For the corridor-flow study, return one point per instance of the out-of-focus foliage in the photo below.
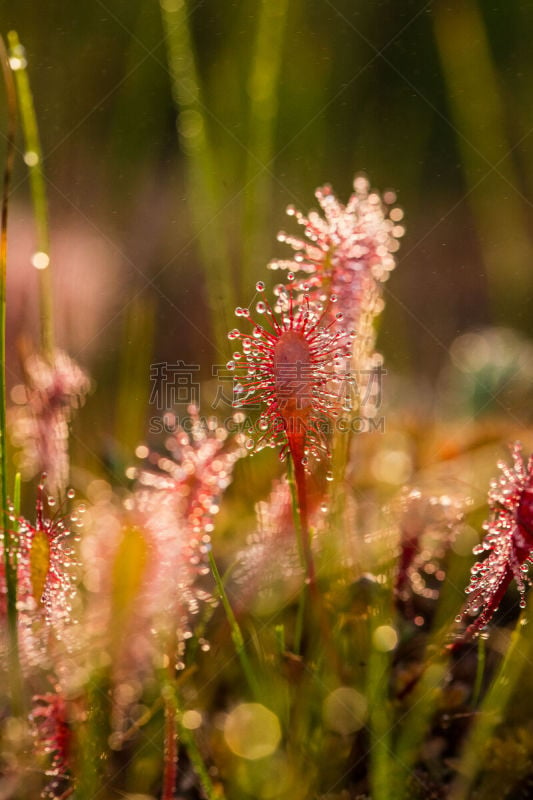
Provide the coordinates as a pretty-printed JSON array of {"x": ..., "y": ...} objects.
[
  {"x": 389, "y": 88},
  {"x": 174, "y": 133}
]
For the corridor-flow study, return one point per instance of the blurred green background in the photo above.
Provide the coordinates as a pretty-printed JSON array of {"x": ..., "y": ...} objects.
[{"x": 175, "y": 135}]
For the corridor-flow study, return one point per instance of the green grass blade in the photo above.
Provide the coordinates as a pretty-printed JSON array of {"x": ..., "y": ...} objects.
[
  {"x": 263, "y": 93},
  {"x": 33, "y": 158},
  {"x": 15, "y": 678},
  {"x": 492, "y": 711},
  {"x": 203, "y": 172}
]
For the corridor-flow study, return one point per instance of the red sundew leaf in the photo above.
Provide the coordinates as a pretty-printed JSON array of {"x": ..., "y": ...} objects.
[
  {"x": 508, "y": 543},
  {"x": 53, "y": 735},
  {"x": 294, "y": 367},
  {"x": 46, "y": 580},
  {"x": 46, "y": 561}
]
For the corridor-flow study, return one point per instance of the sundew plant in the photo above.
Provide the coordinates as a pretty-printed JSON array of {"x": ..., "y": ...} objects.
[{"x": 266, "y": 480}]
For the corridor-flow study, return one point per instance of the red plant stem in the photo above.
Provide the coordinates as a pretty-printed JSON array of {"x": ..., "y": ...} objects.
[
  {"x": 296, "y": 448},
  {"x": 170, "y": 767},
  {"x": 320, "y": 628},
  {"x": 410, "y": 548}
]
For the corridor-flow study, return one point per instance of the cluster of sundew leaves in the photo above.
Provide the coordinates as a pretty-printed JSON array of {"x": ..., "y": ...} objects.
[
  {"x": 270, "y": 567},
  {"x": 428, "y": 525},
  {"x": 347, "y": 253},
  {"x": 508, "y": 542},
  {"x": 270, "y": 560},
  {"x": 39, "y": 422},
  {"x": 320, "y": 379},
  {"x": 174, "y": 505}
]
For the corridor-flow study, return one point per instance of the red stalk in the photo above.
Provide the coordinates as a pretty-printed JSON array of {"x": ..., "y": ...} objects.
[
  {"x": 293, "y": 370},
  {"x": 296, "y": 449},
  {"x": 170, "y": 768}
]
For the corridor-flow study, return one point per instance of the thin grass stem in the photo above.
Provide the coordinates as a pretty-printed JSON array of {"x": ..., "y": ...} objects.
[
  {"x": 468, "y": 70},
  {"x": 380, "y": 714},
  {"x": 262, "y": 90},
  {"x": 15, "y": 679},
  {"x": 416, "y": 722},
  {"x": 211, "y": 791},
  {"x": 493, "y": 707},
  {"x": 34, "y": 159},
  {"x": 236, "y": 633},
  {"x": 16, "y": 498},
  {"x": 93, "y": 734},
  {"x": 203, "y": 170}
]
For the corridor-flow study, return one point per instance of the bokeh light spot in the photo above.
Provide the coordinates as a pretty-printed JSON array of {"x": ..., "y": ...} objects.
[
  {"x": 345, "y": 710},
  {"x": 252, "y": 731},
  {"x": 385, "y": 638}
]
